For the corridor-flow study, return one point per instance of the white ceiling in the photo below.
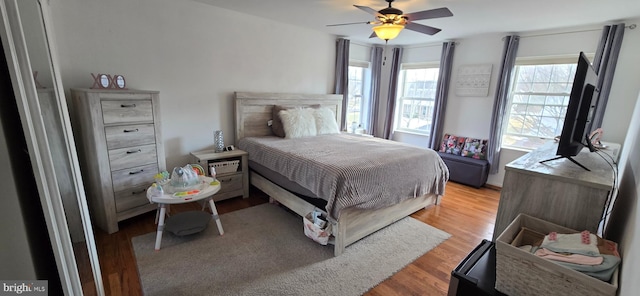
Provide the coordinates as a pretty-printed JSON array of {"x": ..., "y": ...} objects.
[{"x": 470, "y": 17}]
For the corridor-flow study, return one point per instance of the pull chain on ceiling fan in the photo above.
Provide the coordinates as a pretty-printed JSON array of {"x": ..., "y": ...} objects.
[{"x": 390, "y": 21}]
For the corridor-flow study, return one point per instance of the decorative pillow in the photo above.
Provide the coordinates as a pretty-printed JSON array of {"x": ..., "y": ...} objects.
[
  {"x": 452, "y": 144},
  {"x": 276, "y": 123},
  {"x": 326, "y": 121},
  {"x": 298, "y": 123},
  {"x": 475, "y": 148}
]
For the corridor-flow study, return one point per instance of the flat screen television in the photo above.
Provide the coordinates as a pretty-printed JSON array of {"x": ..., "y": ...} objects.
[{"x": 582, "y": 105}]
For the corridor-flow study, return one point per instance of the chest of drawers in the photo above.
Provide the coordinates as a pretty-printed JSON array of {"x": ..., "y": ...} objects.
[
  {"x": 558, "y": 191},
  {"x": 120, "y": 148}
]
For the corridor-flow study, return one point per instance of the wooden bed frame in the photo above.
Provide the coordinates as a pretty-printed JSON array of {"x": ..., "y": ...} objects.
[{"x": 252, "y": 113}]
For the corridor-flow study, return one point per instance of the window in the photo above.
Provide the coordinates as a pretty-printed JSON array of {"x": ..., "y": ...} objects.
[
  {"x": 358, "y": 100},
  {"x": 416, "y": 96},
  {"x": 538, "y": 102}
]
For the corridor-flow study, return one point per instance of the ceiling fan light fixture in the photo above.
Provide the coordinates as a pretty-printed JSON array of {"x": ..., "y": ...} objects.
[{"x": 387, "y": 32}]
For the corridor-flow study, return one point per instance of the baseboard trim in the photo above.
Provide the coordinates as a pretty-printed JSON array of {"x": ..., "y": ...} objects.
[{"x": 494, "y": 187}]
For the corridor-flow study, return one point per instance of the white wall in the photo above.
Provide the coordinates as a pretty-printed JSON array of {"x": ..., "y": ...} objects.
[
  {"x": 623, "y": 225},
  {"x": 195, "y": 54}
]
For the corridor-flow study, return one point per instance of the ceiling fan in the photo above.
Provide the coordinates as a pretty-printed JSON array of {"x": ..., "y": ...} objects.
[{"x": 390, "y": 21}]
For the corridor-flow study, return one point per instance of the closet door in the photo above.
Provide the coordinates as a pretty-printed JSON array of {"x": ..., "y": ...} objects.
[{"x": 28, "y": 42}]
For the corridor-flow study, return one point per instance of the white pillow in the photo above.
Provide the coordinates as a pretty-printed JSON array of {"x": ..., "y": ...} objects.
[
  {"x": 298, "y": 123},
  {"x": 326, "y": 121}
]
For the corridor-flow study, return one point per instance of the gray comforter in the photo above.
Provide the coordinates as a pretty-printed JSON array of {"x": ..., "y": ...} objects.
[{"x": 352, "y": 171}]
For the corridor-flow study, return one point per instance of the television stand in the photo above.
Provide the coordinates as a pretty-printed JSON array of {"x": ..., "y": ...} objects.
[
  {"x": 569, "y": 158},
  {"x": 562, "y": 193}
]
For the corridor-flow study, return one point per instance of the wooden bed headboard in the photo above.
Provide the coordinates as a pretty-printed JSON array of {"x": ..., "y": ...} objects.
[{"x": 253, "y": 110}]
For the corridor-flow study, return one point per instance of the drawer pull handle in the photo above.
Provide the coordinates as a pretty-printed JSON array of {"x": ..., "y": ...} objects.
[
  {"x": 223, "y": 180},
  {"x": 133, "y": 173},
  {"x": 133, "y": 151},
  {"x": 131, "y": 130},
  {"x": 137, "y": 192},
  {"x": 128, "y": 106}
]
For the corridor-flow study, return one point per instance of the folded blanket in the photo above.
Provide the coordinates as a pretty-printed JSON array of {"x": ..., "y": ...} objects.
[
  {"x": 603, "y": 271},
  {"x": 583, "y": 243},
  {"x": 569, "y": 258}
]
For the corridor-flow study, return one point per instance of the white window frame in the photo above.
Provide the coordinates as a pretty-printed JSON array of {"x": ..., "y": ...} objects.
[
  {"x": 533, "y": 142},
  {"x": 364, "y": 106},
  {"x": 400, "y": 98}
]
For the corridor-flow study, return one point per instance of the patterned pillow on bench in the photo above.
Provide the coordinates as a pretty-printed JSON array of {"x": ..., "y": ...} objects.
[
  {"x": 475, "y": 148},
  {"x": 463, "y": 146},
  {"x": 452, "y": 144}
]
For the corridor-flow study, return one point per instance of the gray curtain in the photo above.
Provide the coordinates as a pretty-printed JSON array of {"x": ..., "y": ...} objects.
[
  {"x": 605, "y": 65},
  {"x": 342, "y": 76},
  {"x": 500, "y": 103},
  {"x": 376, "y": 74},
  {"x": 442, "y": 93},
  {"x": 396, "y": 58}
]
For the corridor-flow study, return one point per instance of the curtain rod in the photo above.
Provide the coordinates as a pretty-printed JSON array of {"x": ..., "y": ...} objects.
[
  {"x": 405, "y": 46},
  {"x": 430, "y": 45},
  {"x": 360, "y": 44},
  {"x": 370, "y": 44},
  {"x": 630, "y": 27}
]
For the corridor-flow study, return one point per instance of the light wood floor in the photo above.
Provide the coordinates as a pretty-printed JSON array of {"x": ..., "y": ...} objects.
[{"x": 468, "y": 214}]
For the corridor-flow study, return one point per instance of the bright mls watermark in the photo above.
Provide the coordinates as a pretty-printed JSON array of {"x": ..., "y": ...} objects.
[{"x": 20, "y": 287}]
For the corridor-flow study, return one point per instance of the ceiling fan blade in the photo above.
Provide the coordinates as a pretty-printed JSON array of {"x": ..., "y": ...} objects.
[
  {"x": 429, "y": 14},
  {"x": 422, "y": 28},
  {"x": 368, "y": 10},
  {"x": 355, "y": 23},
  {"x": 373, "y": 35}
]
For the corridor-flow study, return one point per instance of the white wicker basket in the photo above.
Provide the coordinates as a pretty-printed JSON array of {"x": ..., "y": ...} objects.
[
  {"x": 519, "y": 272},
  {"x": 225, "y": 167}
]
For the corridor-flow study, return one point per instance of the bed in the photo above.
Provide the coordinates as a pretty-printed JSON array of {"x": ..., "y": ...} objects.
[{"x": 354, "y": 212}]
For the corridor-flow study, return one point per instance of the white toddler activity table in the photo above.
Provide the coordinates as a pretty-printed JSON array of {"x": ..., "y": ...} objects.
[{"x": 206, "y": 191}]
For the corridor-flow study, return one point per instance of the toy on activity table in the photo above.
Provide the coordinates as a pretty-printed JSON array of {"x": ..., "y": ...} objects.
[
  {"x": 182, "y": 182},
  {"x": 184, "y": 177},
  {"x": 213, "y": 175},
  {"x": 161, "y": 179},
  {"x": 156, "y": 190}
]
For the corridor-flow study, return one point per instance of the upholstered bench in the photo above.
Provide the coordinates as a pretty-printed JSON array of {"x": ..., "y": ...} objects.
[
  {"x": 466, "y": 170},
  {"x": 466, "y": 159}
]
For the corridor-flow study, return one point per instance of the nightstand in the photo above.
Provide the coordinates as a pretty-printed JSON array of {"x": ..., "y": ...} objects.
[{"x": 234, "y": 183}]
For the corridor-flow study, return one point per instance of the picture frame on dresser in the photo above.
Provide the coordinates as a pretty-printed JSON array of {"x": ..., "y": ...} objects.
[{"x": 120, "y": 147}]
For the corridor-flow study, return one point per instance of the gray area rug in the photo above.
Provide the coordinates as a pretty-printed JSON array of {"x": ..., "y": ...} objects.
[{"x": 265, "y": 252}]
